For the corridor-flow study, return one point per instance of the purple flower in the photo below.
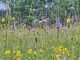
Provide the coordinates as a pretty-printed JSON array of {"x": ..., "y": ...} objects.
[
  {"x": 3, "y": 6},
  {"x": 58, "y": 23}
]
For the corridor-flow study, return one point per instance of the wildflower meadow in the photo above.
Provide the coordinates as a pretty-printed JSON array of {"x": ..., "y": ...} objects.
[
  {"x": 39, "y": 29},
  {"x": 21, "y": 44}
]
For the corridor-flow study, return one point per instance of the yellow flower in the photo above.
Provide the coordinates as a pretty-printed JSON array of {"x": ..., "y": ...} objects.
[
  {"x": 35, "y": 53},
  {"x": 68, "y": 20},
  {"x": 18, "y": 59},
  {"x": 29, "y": 51},
  {"x": 3, "y": 20},
  {"x": 7, "y": 52},
  {"x": 61, "y": 47},
  {"x": 65, "y": 49},
  {"x": 57, "y": 56},
  {"x": 17, "y": 53}
]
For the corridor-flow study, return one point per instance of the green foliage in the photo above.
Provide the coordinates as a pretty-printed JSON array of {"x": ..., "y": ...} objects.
[
  {"x": 30, "y": 18},
  {"x": 36, "y": 8}
]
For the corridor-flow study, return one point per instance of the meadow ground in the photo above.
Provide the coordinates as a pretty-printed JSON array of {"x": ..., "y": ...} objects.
[{"x": 37, "y": 45}]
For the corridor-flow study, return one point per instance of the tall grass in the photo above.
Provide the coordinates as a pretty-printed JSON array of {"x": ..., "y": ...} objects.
[{"x": 47, "y": 47}]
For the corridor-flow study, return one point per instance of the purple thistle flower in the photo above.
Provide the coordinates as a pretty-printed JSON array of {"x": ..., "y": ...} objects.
[{"x": 58, "y": 23}]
